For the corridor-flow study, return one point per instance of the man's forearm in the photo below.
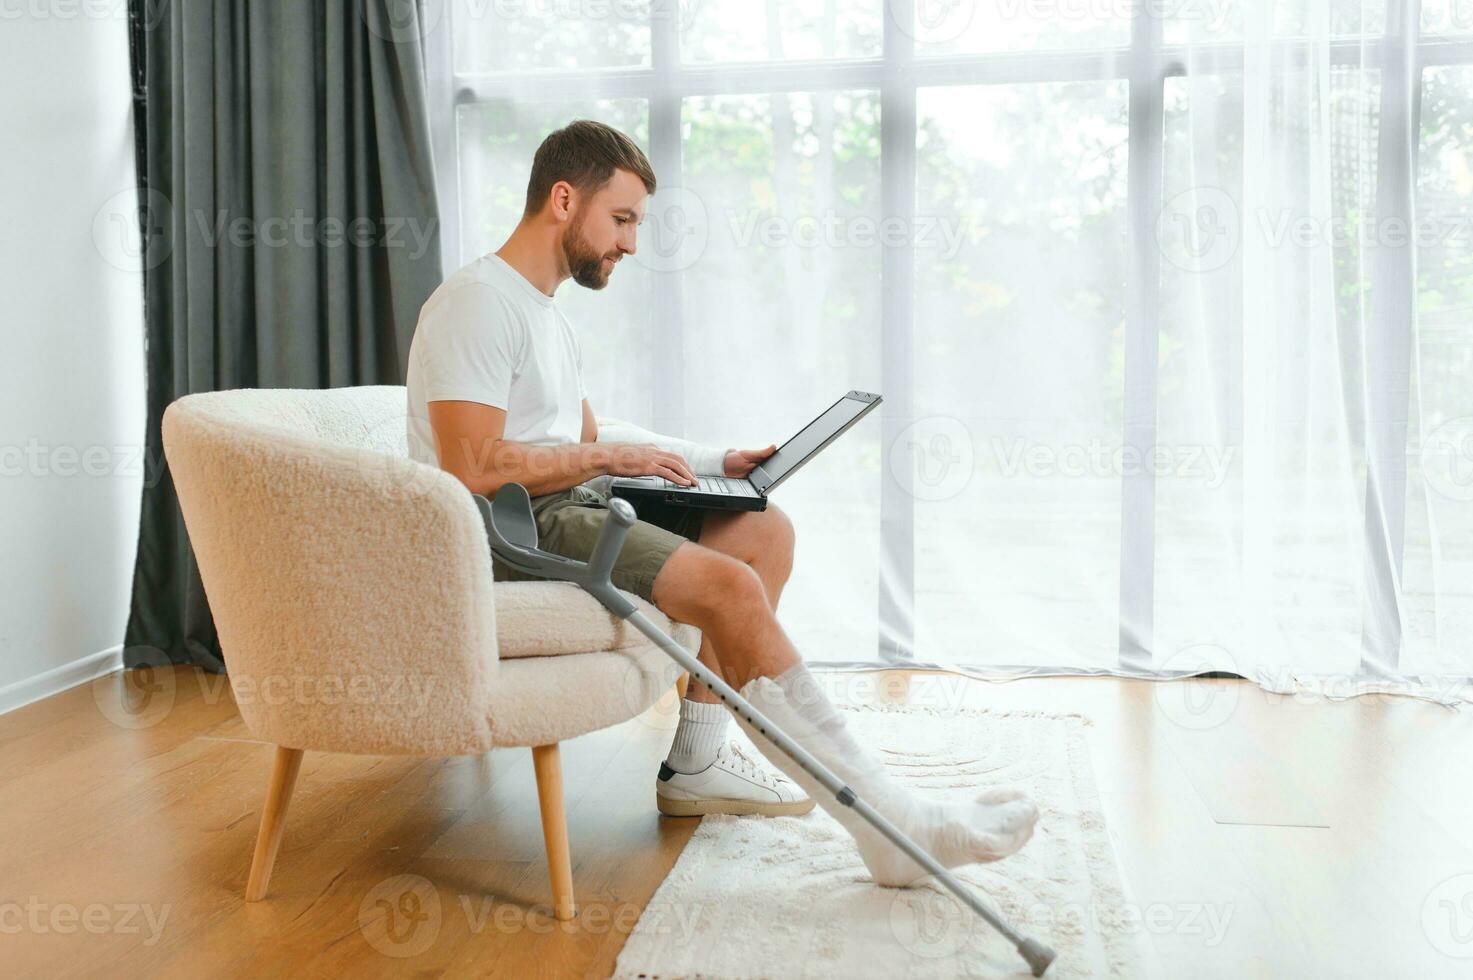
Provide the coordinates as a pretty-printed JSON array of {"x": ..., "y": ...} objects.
[{"x": 541, "y": 469}]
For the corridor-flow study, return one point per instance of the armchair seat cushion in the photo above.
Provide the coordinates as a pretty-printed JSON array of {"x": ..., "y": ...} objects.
[
  {"x": 542, "y": 700},
  {"x": 548, "y": 619}
]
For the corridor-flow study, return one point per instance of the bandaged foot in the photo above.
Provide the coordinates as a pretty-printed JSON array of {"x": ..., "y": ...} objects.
[{"x": 994, "y": 824}]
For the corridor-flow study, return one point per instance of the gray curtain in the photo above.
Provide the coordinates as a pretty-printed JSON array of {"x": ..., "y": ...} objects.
[{"x": 290, "y": 232}]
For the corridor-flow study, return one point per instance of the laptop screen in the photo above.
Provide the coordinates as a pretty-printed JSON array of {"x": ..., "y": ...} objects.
[{"x": 814, "y": 436}]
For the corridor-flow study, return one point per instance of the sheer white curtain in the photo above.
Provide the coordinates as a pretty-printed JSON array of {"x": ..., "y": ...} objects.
[
  {"x": 1315, "y": 328},
  {"x": 1171, "y": 303}
]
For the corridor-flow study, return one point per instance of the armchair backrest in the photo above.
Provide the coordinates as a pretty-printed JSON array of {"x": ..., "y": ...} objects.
[{"x": 351, "y": 586}]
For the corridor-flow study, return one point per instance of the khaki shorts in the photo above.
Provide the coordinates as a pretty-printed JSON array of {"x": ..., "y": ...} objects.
[{"x": 569, "y": 522}]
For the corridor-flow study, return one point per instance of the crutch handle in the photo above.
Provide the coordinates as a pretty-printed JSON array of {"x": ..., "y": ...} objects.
[
  {"x": 610, "y": 540},
  {"x": 511, "y": 530}
]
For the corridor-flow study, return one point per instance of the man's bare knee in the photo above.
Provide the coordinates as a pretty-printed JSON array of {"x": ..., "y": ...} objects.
[
  {"x": 730, "y": 588},
  {"x": 727, "y": 600},
  {"x": 698, "y": 585}
]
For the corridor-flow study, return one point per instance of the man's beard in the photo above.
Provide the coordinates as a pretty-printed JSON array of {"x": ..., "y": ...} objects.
[{"x": 584, "y": 263}]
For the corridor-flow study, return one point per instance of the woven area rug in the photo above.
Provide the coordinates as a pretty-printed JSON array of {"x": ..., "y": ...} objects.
[{"x": 788, "y": 896}]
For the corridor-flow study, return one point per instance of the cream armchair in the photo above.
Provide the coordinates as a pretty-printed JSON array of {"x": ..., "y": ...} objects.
[{"x": 353, "y": 595}]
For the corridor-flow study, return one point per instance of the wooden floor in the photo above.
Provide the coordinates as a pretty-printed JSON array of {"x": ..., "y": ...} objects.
[{"x": 1257, "y": 835}]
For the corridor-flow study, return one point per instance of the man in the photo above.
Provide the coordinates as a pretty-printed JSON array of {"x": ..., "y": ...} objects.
[{"x": 495, "y": 396}]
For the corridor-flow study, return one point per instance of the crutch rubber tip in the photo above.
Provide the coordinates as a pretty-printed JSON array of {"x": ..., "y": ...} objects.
[{"x": 1037, "y": 954}]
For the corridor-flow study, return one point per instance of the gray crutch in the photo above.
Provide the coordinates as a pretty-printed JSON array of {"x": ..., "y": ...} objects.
[{"x": 512, "y": 533}]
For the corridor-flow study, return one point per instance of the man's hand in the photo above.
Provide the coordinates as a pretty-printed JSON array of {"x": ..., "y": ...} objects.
[
  {"x": 740, "y": 462},
  {"x": 640, "y": 459}
]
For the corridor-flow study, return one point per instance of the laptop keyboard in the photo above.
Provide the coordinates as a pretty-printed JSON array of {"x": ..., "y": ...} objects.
[{"x": 717, "y": 484}]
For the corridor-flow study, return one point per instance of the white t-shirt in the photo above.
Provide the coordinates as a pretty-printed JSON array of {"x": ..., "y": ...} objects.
[{"x": 488, "y": 335}]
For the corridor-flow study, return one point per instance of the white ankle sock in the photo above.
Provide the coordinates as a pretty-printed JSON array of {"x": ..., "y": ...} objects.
[
  {"x": 700, "y": 733},
  {"x": 994, "y": 824}
]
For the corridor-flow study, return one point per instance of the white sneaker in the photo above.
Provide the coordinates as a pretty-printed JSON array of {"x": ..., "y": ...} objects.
[{"x": 735, "y": 783}]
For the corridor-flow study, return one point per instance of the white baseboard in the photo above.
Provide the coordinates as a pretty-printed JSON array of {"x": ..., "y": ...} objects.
[{"x": 58, "y": 679}]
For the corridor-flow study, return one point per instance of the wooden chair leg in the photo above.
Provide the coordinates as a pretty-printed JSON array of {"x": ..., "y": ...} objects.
[
  {"x": 273, "y": 820},
  {"x": 682, "y": 684},
  {"x": 547, "y": 763}
]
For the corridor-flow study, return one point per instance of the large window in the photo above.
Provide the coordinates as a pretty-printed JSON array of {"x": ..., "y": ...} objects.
[{"x": 1038, "y": 229}]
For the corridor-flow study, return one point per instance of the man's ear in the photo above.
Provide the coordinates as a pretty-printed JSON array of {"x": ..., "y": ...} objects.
[{"x": 562, "y": 199}]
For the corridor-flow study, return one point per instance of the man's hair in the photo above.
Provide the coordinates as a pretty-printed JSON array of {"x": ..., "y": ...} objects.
[{"x": 585, "y": 154}]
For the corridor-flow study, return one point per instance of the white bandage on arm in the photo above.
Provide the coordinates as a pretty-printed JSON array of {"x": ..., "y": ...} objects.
[{"x": 703, "y": 460}]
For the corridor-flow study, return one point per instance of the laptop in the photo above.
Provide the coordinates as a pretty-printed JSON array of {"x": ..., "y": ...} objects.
[{"x": 750, "y": 492}]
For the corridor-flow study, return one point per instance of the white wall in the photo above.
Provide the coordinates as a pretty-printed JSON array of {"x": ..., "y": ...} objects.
[{"x": 71, "y": 343}]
